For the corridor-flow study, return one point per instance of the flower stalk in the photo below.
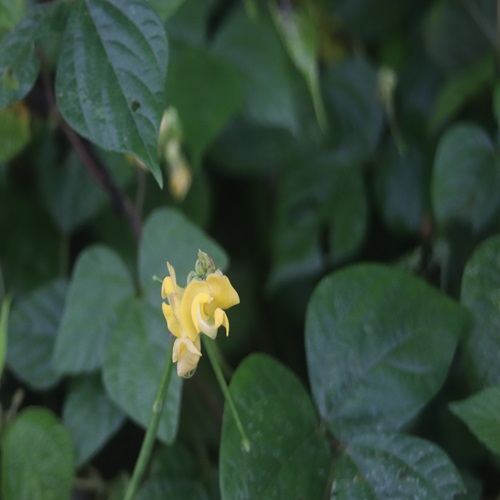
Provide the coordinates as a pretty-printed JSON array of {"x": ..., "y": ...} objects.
[
  {"x": 149, "y": 438},
  {"x": 214, "y": 360}
]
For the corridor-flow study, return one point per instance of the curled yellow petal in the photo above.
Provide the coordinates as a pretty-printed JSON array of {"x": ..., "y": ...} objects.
[
  {"x": 220, "y": 319},
  {"x": 186, "y": 354},
  {"x": 222, "y": 291},
  {"x": 167, "y": 287},
  {"x": 172, "y": 321},
  {"x": 195, "y": 291}
]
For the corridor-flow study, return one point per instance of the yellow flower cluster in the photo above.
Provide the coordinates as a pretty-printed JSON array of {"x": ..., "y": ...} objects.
[{"x": 198, "y": 308}]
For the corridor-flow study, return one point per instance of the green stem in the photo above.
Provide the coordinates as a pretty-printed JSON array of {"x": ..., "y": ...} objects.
[
  {"x": 214, "y": 360},
  {"x": 149, "y": 438}
]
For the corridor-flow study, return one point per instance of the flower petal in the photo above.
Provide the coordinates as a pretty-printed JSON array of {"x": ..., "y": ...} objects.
[
  {"x": 222, "y": 291},
  {"x": 196, "y": 291},
  {"x": 220, "y": 318},
  {"x": 172, "y": 321},
  {"x": 186, "y": 354}
]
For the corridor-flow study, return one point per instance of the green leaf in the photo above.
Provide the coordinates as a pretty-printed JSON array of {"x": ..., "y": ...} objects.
[
  {"x": 372, "y": 18},
  {"x": 119, "y": 109},
  {"x": 466, "y": 178},
  {"x": 401, "y": 184},
  {"x": 159, "y": 489},
  {"x": 14, "y": 131},
  {"x": 165, "y": 9},
  {"x": 19, "y": 65},
  {"x": 480, "y": 293},
  {"x": 70, "y": 193},
  {"x": 168, "y": 236},
  {"x": 460, "y": 89},
  {"x": 268, "y": 82},
  {"x": 32, "y": 334},
  {"x": 288, "y": 457},
  {"x": 11, "y": 13},
  {"x": 4, "y": 321},
  {"x": 37, "y": 458},
  {"x": 381, "y": 466},
  {"x": 204, "y": 108},
  {"x": 321, "y": 219},
  {"x": 481, "y": 414},
  {"x": 473, "y": 19},
  {"x": 90, "y": 417},
  {"x": 134, "y": 365},
  {"x": 379, "y": 343},
  {"x": 355, "y": 116},
  {"x": 99, "y": 286}
]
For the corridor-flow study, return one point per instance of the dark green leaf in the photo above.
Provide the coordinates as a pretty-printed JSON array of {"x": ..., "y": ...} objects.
[
  {"x": 37, "y": 458},
  {"x": 288, "y": 457},
  {"x": 165, "y": 9},
  {"x": 480, "y": 294},
  {"x": 481, "y": 413},
  {"x": 466, "y": 178},
  {"x": 90, "y": 417},
  {"x": 19, "y": 65},
  {"x": 69, "y": 192},
  {"x": 11, "y": 12},
  {"x": 401, "y": 183},
  {"x": 354, "y": 112},
  {"x": 181, "y": 489},
  {"x": 461, "y": 88},
  {"x": 321, "y": 219},
  {"x": 204, "y": 109},
  {"x": 169, "y": 236},
  {"x": 473, "y": 19},
  {"x": 32, "y": 334},
  {"x": 100, "y": 284},
  {"x": 379, "y": 343},
  {"x": 134, "y": 364},
  {"x": 380, "y": 466},
  {"x": 119, "y": 108},
  {"x": 267, "y": 80}
]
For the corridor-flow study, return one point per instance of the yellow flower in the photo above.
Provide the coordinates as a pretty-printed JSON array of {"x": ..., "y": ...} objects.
[{"x": 198, "y": 308}]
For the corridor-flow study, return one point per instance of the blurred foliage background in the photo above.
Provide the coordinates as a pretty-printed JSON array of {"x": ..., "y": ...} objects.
[{"x": 299, "y": 139}]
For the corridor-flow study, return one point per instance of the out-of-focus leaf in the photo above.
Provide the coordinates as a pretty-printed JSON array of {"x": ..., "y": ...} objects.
[
  {"x": 481, "y": 413},
  {"x": 14, "y": 130},
  {"x": 89, "y": 415},
  {"x": 159, "y": 489},
  {"x": 371, "y": 18},
  {"x": 4, "y": 321},
  {"x": 267, "y": 80},
  {"x": 166, "y": 9},
  {"x": 379, "y": 466},
  {"x": 400, "y": 182},
  {"x": 33, "y": 327},
  {"x": 480, "y": 293},
  {"x": 466, "y": 178},
  {"x": 37, "y": 458},
  {"x": 460, "y": 88},
  {"x": 169, "y": 236},
  {"x": 296, "y": 25},
  {"x": 11, "y": 12},
  {"x": 355, "y": 115},
  {"x": 175, "y": 461},
  {"x": 206, "y": 91},
  {"x": 288, "y": 457},
  {"x": 120, "y": 108},
  {"x": 321, "y": 219},
  {"x": 473, "y": 19},
  {"x": 22, "y": 217},
  {"x": 99, "y": 286},
  {"x": 19, "y": 65},
  {"x": 379, "y": 343},
  {"x": 70, "y": 193},
  {"x": 189, "y": 24},
  {"x": 134, "y": 364}
]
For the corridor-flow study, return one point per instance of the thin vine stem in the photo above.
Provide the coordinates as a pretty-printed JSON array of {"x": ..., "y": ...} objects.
[{"x": 149, "y": 438}]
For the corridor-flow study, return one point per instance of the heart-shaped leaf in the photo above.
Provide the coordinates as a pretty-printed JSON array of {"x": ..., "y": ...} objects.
[
  {"x": 99, "y": 285},
  {"x": 288, "y": 457},
  {"x": 379, "y": 343},
  {"x": 110, "y": 82}
]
